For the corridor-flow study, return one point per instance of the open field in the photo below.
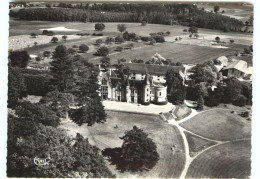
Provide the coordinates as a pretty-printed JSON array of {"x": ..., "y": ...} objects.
[
  {"x": 229, "y": 160},
  {"x": 197, "y": 144},
  {"x": 185, "y": 50},
  {"x": 176, "y": 52},
  {"x": 219, "y": 124},
  {"x": 165, "y": 136}
]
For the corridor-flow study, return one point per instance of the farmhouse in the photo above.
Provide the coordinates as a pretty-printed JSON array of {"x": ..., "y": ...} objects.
[
  {"x": 237, "y": 69},
  {"x": 144, "y": 84}
]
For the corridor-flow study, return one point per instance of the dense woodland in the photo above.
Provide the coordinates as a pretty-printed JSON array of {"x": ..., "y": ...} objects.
[{"x": 182, "y": 14}]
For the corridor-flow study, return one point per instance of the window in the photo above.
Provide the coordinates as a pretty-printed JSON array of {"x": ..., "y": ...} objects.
[
  {"x": 147, "y": 95},
  {"x": 150, "y": 92},
  {"x": 147, "y": 89},
  {"x": 160, "y": 93}
]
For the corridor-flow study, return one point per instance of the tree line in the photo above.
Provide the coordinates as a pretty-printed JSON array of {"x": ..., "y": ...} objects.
[{"x": 169, "y": 14}]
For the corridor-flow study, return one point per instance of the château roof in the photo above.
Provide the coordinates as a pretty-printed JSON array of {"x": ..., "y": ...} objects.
[
  {"x": 239, "y": 65},
  {"x": 151, "y": 68}
]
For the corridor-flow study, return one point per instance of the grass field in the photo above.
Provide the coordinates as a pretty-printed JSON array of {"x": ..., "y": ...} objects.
[
  {"x": 165, "y": 136},
  {"x": 230, "y": 160},
  {"x": 197, "y": 144},
  {"x": 176, "y": 52},
  {"x": 219, "y": 124}
]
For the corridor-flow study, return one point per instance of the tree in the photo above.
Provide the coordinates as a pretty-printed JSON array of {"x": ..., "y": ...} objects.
[
  {"x": 109, "y": 40},
  {"x": 232, "y": 41},
  {"x": 16, "y": 86},
  {"x": 92, "y": 112},
  {"x": 247, "y": 51},
  {"x": 121, "y": 27},
  {"x": 33, "y": 35},
  {"x": 45, "y": 32},
  {"x": 119, "y": 39},
  {"x": 216, "y": 9},
  {"x": 99, "y": 41},
  {"x": 193, "y": 30},
  {"x": 203, "y": 73},
  {"x": 233, "y": 89},
  {"x": 35, "y": 43},
  {"x": 62, "y": 69},
  {"x": 217, "y": 39},
  {"x": 137, "y": 153},
  {"x": 83, "y": 48},
  {"x": 200, "y": 103},
  {"x": 19, "y": 59},
  {"x": 58, "y": 102},
  {"x": 105, "y": 61},
  {"x": 168, "y": 32},
  {"x": 46, "y": 53},
  {"x": 175, "y": 87},
  {"x": 102, "y": 51},
  {"x": 159, "y": 38},
  {"x": 99, "y": 26},
  {"x": 240, "y": 101},
  {"x": 251, "y": 48},
  {"x": 54, "y": 39},
  {"x": 38, "y": 113},
  {"x": 64, "y": 37}
]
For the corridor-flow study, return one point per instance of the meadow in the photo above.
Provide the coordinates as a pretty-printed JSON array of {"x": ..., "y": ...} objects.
[{"x": 219, "y": 124}]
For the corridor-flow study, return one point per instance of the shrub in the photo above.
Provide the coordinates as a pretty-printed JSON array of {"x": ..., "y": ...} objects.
[
  {"x": 102, "y": 51},
  {"x": 33, "y": 35},
  {"x": 185, "y": 30},
  {"x": 244, "y": 114},
  {"x": 83, "y": 48},
  {"x": 97, "y": 34},
  {"x": 75, "y": 46},
  {"x": 119, "y": 39},
  {"x": 45, "y": 32},
  {"x": 240, "y": 101},
  {"x": 119, "y": 49},
  {"x": 38, "y": 58},
  {"x": 64, "y": 37},
  {"x": 217, "y": 39},
  {"x": 159, "y": 39},
  {"x": 247, "y": 51},
  {"x": 145, "y": 39},
  {"x": 109, "y": 40},
  {"x": 54, "y": 39},
  {"x": 217, "y": 62},
  {"x": 71, "y": 51},
  {"x": 50, "y": 33},
  {"x": 168, "y": 32},
  {"x": 99, "y": 26},
  {"x": 46, "y": 53},
  {"x": 143, "y": 23},
  {"x": 99, "y": 41},
  {"x": 121, "y": 27}
]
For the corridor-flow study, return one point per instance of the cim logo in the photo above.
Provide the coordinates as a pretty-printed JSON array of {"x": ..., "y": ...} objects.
[{"x": 42, "y": 161}]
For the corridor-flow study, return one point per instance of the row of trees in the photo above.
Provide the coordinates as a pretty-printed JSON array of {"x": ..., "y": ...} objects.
[{"x": 183, "y": 14}]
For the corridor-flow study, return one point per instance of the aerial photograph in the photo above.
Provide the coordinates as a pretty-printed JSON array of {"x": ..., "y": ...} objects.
[{"x": 129, "y": 89}]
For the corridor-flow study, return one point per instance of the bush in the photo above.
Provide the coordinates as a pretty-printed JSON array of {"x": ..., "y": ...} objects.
[
  {"x": 185, "y": 30},
  {"x": 83, "y": 48},
  {"x": 109, "y": 40},
  {"x": 143, "y": 23},
  {"x": 99, "y": 41},
  {"x": 217, "y": 62},
  {"x": 54, "y": 39},
  {"x": 102, "y": 51},
  {"x": 119, "y": 39},
  {"x": 97, "y": 34},
  {"x": 231, "y": 41},
  {"x": 244, "y": 114},
  {"x": 75, "y": 46},
  {"x": 71, "y": 51},
  {"x": 145, "y": 39},
  {"x": 217, "y": 39},
  {"x": 159, "y": 39},
  {"x": 33, "y": 35},
  {"x": 46, "y": 53},
  {"x": 240, "y": 101},
  {"x": 45, "y": 32},
  {"x": 99, "y": 26},
  {"x": 50, "y": 33},
  {"x": 119, "y": 49}
]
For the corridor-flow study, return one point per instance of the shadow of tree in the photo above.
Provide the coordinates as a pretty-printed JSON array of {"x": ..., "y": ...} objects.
[{"x": 131, "y": 164}]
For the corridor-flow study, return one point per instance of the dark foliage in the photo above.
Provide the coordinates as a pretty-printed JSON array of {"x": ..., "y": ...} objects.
[
  {"x": 93, "y": 112},
  {"x": 19, "y": 59},
  {"x": 170, "y": 13},
  {"x": 121, "y": 27},
  {"x": 38, "y": 113},
  {"x": 240, "y": 101},
  {"x": 83, "y": 48},
  {"x": 137, "y": 153},
  {"x": 99, "y": 26},
  {"x": 175, "y": 87},
  {"x": 16, "y": 86},
  {"x": 62, "y": 69},
  {"x": 102, "y": 51},
  {"x": 159, "y": 38},
  {"x": 28, "y": 140}
]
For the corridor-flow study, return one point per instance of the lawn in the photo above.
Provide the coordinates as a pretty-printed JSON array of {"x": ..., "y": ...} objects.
[
  {"x": 219, "y": 124},
  {"x": 197, "y": 144},
  {"x": 165, "y": 136},
  {"x": 177, "y": 52},
  {"x": 230, "y": 160}
]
